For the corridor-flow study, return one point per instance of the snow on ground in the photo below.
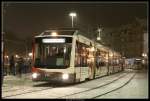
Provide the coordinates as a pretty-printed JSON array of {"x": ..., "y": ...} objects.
[{"x": 137, "y": 88}]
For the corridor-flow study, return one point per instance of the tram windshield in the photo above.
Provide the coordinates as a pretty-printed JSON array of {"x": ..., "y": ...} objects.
[{"x": 52, "y": 55}]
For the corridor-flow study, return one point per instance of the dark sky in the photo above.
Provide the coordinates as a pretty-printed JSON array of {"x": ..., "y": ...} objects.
[{"x": 24, "y": 19}]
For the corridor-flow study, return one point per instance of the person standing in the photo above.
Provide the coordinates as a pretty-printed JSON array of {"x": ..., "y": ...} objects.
[
  {"x": 20, "y": 66},
  {"x": 12, "y": 65}
]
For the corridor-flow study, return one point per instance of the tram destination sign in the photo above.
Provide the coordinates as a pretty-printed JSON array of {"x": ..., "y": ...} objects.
[
  {"x": 59, "y": 40},
  {"x": 47, "y": 40}
]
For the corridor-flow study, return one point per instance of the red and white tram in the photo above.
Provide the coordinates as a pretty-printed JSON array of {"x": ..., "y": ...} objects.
[{"x": 67, "y": 56}]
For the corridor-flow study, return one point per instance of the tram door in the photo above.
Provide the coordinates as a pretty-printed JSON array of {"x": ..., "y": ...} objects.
[
  {"x": 81, "y": 64},
  {"x": 91, "y": 62}
]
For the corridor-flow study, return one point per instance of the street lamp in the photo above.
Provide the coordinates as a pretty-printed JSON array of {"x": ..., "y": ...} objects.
[
  {"x": 30, "y": 54},
  {"x": 16, "y": 56},
  {"x": 144, "y": 54},
  {"x": 99, "y": 30},
  {"x": 72, "y": 14}
]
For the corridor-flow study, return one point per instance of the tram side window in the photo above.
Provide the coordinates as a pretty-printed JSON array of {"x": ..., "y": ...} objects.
[
  {"x": 81, "y": 55},
  {"x": 98, "y": 58},
  {"x": 102, "y": 59},
  {"x": 116, "y": 61}
]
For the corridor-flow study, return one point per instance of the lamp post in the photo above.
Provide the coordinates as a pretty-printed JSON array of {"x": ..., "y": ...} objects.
[
  {"x": 2, "y": 57},
  {"x": 72, "y": 14},
  {"x": 2, "y": 43}
]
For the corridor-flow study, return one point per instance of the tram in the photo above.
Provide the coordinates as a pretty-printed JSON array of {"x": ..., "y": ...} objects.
[
  {"x": 67, "y": 56},
  {"x": 138, "y": 63}
]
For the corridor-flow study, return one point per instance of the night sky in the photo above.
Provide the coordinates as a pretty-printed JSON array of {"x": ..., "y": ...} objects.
[{"x": 26, "y": 19}]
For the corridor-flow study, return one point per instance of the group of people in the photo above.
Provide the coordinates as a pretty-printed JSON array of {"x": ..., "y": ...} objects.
[{"x": 17, "y": 66}]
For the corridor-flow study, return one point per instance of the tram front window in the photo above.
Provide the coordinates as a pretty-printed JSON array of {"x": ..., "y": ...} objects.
[{"x": 53, "y": 55}]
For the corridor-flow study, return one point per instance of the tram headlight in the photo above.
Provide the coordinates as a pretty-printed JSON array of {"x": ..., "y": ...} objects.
[
  {"x": 65, "y": 76},
  {"x": 35, "y": 75}
]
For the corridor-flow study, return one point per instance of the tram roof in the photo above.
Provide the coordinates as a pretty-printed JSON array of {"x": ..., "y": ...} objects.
[{"x": 60, "y": 31}]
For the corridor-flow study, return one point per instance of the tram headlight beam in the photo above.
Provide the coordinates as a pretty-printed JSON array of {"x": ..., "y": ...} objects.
[
  {"x": 65, "y": 76},
  {"x": 35, "y": 75}
]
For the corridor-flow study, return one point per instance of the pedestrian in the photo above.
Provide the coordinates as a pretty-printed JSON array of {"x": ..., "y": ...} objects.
[
  {"x": 12, "y": 65},
  {"x": 20, "y": 66},
  {"x": 26, "y": 65},
  {"x": 29, "y": 66}
]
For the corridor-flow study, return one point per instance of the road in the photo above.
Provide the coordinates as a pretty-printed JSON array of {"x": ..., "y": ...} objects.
[{"x": 127, "y": 84}]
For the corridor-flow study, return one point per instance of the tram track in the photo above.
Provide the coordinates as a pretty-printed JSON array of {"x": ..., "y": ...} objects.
[
  {"x": 12, "y": 90},
  {"x": 28, "y": 92},
  {"x": 115, "y": 88},
  {"x": 95, "y": 87},
  {"x": 68, "y": 94},
  {"x": 98, "y": 87}
]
